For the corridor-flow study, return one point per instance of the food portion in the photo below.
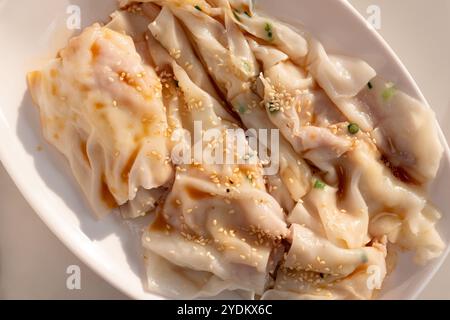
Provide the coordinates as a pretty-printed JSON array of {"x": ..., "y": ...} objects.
[
  {"x": 103, "y": 109},
  {"x": 144, "y": 109}
]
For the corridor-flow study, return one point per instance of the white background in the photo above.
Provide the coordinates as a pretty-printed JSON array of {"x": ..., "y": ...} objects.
[{"x": 33, "y": 262}]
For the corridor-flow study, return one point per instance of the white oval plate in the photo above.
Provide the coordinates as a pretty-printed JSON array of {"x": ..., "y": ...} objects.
[{"x": 33, "y": 30}]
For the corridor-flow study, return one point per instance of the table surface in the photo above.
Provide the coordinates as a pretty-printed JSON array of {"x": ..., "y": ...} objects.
[{"x": 33, "y": 262}]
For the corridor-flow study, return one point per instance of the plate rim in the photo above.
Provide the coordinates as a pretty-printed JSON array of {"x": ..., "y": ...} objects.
[{"x": 77, "y": 247}]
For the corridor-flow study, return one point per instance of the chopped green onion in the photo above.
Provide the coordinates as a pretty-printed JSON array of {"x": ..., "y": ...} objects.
[
  {"x": 272, "y": 108},
  {"x": 247, "y": 14},
  {"x": 319, "y": 185},
  {"x": 389, "y": 92},
  {"x": 247, "y": 66},
  {"x": 364, "y": 258},
  {"x": 353, "y": 128},
  {"x": 235, "y": 14},
  {"x": 369, "y": 84},
  {"x": 242, "y": 109},
  {"x": 269, "y": 31},
  {"x": 198, "y": 8}
]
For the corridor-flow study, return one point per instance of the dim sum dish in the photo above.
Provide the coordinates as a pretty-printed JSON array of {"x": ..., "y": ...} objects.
[{"x": 341, "y": 192}]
